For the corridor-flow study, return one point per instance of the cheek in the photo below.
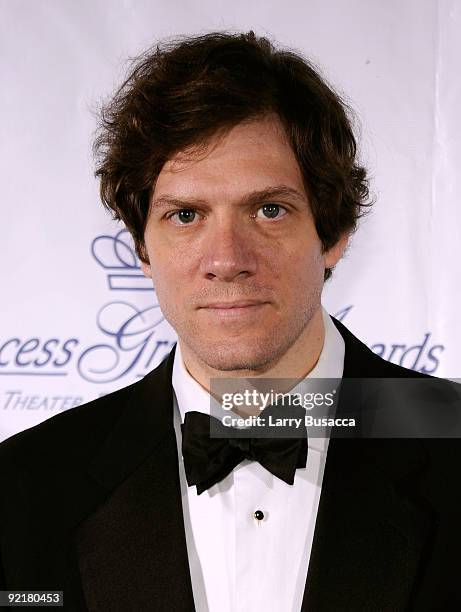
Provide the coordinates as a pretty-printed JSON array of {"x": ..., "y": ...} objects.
[
  {"x": 305, "y": 262},
  {"x": 170, "y": 276},
  {"x": 163, "y": 257}
]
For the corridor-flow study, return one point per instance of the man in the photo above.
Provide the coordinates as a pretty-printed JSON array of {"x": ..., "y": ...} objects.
[{"x": 233, "y": 166}]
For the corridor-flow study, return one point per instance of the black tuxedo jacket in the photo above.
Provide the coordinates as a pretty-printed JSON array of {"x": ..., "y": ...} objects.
[{"x": 91, "y": 505}]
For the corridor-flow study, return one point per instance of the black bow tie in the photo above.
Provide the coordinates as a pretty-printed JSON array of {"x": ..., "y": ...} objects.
[{"x": 208, "y": 460}]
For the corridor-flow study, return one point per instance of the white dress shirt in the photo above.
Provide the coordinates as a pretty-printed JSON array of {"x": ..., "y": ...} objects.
[{"x": 237, "y": 563}]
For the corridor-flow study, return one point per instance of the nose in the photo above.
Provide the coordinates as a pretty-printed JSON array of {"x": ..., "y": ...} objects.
[{"x": 228, "y": 250}]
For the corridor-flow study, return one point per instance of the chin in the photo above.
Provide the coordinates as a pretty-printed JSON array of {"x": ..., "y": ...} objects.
[{"x": 227, "y": 355}]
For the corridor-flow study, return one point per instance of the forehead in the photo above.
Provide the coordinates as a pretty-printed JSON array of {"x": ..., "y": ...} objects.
[{"x": 252, "y": 155}]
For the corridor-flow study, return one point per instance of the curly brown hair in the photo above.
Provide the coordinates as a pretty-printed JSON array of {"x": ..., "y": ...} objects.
[{"x": 182, "y": 92}]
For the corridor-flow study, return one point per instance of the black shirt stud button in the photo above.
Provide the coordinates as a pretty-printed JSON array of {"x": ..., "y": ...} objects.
[{"x": 259, "y": 515}]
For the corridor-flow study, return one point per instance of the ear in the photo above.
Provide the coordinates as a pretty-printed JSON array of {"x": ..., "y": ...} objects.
[
  {"x": 334, "y": 254},
  {"x": 146, "y": 269}
]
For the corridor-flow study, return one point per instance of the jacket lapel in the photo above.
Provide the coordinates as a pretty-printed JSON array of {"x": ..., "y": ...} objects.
[
  {"x": 370, "y": 534},
  {"x": 371, "y": 530},
  {"x": 132, "y": 548}
]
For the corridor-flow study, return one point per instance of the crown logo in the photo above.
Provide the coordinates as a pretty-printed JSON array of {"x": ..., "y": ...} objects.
[{"x": 117, "y": 255}]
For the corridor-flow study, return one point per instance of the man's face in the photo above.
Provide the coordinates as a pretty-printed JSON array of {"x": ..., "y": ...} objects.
[{"x": 229, "y": 226}]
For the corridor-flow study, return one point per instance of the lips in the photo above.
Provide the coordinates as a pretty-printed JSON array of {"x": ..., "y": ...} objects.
[
  {"x": 238, "y": 304},
  {"x": 234, "y": 311}
]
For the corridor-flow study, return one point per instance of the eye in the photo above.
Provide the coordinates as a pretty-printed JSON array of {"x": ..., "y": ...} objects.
[
  {"x": 271, "y": 211},
  {"x": 185, "y": 214}
]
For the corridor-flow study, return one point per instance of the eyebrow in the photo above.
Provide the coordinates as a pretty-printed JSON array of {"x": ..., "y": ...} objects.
[{"x": 277, "y": 191}]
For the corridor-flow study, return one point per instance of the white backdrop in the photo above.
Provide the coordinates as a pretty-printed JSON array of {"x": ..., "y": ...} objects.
[{"x": 77, "y": 319}]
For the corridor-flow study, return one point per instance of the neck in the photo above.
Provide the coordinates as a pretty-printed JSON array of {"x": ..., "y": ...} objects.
[{"x": 296, "y": 363}]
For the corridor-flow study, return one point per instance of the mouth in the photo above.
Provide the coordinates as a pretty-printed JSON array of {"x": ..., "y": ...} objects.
[
  {"x": 236, "y": 304},
  {"x": 233, "y": 310}
]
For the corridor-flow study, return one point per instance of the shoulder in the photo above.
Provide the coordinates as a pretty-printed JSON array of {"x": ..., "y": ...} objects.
[
  {"x": 69, "y": 436},
  {"x": 400, "y": 403},
  {"x": 361, "y": 361},
  {"x": 72, "y": 438}
]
